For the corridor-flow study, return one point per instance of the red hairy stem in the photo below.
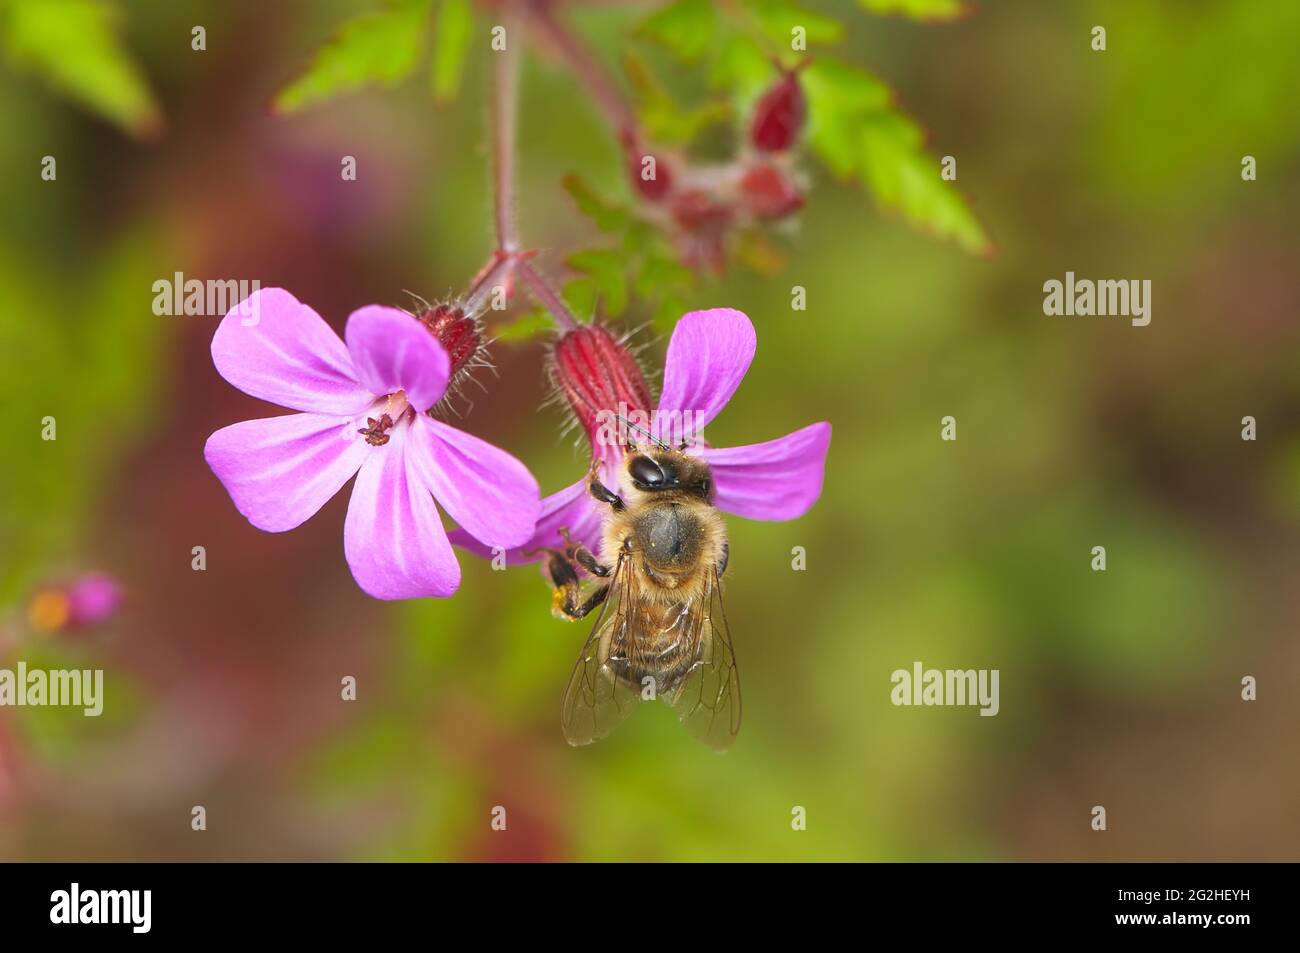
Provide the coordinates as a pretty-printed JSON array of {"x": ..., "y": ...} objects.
[
  {"x": 498, "y": 272},
  {"x": 508, "y": 260},
  {"x": 504, "y": 107},
  {"x": 547, "y": 297}
]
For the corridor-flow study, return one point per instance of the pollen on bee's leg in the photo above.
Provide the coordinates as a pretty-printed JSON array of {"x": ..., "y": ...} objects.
[
  {"x": 559, "y": 605},
  {"x": 560, "y": 571},
  {"x": 563, "y": 577}
]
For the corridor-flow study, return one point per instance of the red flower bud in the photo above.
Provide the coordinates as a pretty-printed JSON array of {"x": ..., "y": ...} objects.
[
  {"x": 697, "y": 211},
  {"x": 653, "y": 180},
  {"x": 597, "y": 374},
  {"x": 455, "y": 331},
  {"x": 769, "y": 192},
  {"x": 779, "y": 115}
]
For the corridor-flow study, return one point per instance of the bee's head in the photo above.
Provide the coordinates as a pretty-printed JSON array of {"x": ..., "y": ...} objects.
[{"x": 662, "y": 470}]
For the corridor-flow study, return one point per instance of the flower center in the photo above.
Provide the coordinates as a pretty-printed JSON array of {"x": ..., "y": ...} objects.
[{"x": 377, "y": 427}]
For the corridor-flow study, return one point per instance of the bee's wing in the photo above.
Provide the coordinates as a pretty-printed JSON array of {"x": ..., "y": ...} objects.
[
  {"x": 595, "y": 700},
  {"x": 708, "y": 700}
]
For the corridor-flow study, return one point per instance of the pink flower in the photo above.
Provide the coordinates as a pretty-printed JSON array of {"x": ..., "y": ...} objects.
[
  {"x": 88, "y": 600},
  {"x": 362, "y": 410},
  {"x": 708, "y": 356},
  {"x": 93, "y": 598}
]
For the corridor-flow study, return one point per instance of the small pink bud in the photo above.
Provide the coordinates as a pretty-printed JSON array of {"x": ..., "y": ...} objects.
[
  {"x": 92, "y": 599},
  {"x": 652, "y": 183},
  {"x": 769, "y": 192},
  {"x": 697, "y": 211},
  {"x": 652, "y": 180},
  {"x": 779, "y": 115}
]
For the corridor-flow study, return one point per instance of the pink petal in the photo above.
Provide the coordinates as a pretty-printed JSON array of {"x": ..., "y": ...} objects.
[
  {"x": 708, "y": 356},
  {"x": 777, "y": 480},
  {"x": 487, "y": 491},
  {"x": 393, "y": 536},
  {"x": 93, "y": 598},
  {"x": 281, "y": 470},
  {"x": 393, "y": 351},
  {"x": 572, "y": 508},
  {"x": 275, "y": 348}
]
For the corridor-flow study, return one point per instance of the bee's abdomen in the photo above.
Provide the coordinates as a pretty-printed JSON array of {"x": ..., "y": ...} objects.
[{"x": 664, "y": 653}]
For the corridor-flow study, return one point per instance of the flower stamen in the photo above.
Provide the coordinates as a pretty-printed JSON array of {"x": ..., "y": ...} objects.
[
  {"x": 376, "y": 429},
  {"x": 374, "y": 433}
]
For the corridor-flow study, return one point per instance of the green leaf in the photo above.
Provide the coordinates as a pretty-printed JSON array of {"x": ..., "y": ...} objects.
[
  {"x": 742, "y": 66},
  {"x": 375, "y": 49},
  {"x": 606, "y": 216},
  {"x": 581, "y": 295},
  {"x": 662, "y": 119},
  {"x": 608, "y": 276},
  {"x": 778, "y": 19},
  {"x": 686, "y": 28},
  {"x": 74, "y": 45},
  {"x": 904, "y": 179},
  {"x": 453, "y": 30},
  {"x": 839, "y": 96},
  {"x": 662, "y": 271},
  {"x": 855, "y": 130},
  {"x": 925, "y": 10},
  {"x": 525, "y": 327},
  {"x": 668, "y": 310}
]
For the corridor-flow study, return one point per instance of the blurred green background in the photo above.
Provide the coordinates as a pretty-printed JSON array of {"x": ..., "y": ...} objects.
[{"x": 1119, "y": 688}]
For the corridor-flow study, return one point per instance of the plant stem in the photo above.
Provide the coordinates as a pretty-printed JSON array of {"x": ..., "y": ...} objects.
[
  {"x": 546, "y": 295},
  {"x": 508, "y": 259},
  {"x": 587, "y": 69},
  {"x": 504, "y": 108},
  {"x": 496, "y": 272}
]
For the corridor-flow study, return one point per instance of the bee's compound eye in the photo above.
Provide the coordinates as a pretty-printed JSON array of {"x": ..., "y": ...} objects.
[{"x": 645, "y": 471}]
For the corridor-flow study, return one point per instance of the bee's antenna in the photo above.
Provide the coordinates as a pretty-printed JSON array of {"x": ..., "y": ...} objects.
[{"x": 653, "y": 439}]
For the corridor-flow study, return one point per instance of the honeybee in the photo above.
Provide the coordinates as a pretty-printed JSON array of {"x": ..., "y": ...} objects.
[{"x": 661, "y": 631}]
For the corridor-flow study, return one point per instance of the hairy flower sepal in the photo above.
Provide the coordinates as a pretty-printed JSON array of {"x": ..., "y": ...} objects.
[
  {"x": 708, "y": 356},
  {"x": 362, "y": 410}
]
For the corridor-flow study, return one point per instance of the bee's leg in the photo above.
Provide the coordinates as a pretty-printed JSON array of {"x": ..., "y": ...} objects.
[
  {"x": 724, "y": 559},
  {"x": 587, "y": 560},
  {"x": 577, "y": 552},
  {"x": 604, "y": 494},
  {"x": 565, "y": 602},
  {"x": 574, "y": 613}
]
